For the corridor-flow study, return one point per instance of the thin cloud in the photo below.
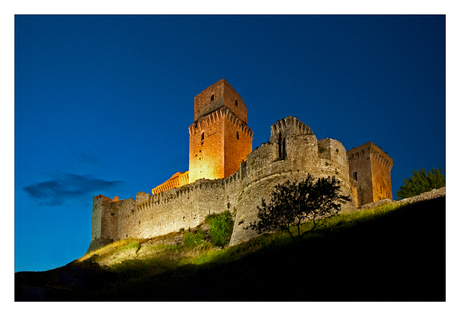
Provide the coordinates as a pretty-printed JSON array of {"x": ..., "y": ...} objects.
[
  {"x": 65, "y": 187},
  {"x": 86, "y": 158}
]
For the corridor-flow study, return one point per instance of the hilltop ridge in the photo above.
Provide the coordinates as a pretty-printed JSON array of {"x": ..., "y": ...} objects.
[{"x": 374, "y": 254}]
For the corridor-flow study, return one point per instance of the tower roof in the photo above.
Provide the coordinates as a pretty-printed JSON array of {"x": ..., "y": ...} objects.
[{"x": 220, "y": 94}]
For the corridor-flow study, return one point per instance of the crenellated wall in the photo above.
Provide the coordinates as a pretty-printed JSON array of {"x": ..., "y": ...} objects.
[{"x": 188, "y": 205}]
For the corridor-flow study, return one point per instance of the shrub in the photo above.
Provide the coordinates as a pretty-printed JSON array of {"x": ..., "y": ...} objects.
[
  {"x": 192, "y": 240},
  {"x": 220, "y": 228}
]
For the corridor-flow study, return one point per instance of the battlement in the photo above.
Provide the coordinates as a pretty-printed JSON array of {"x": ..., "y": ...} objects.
[
  {"x": 215, "y": 116},
  {"x": 288, "y": 126},
  {"x": 380, "y": 156},
  {"x": 368, "y": 150}
]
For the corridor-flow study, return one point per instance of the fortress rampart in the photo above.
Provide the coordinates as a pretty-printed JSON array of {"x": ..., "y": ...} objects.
[
  {"x": 226, "y": 174},
  {"x": 188, "y": 205}
]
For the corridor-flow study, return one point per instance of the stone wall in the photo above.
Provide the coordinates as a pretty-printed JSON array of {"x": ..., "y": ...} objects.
[{"x": 435, "y": 193}]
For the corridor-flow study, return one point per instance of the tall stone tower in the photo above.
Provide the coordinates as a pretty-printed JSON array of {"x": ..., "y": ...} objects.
[
  {"x": 370, "y": 170},
  {"x": 220, "y": 138}
]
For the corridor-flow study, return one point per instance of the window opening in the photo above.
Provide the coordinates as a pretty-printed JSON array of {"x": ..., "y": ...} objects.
[
  {"x": 202, "y": 136},
  {"x": 237, "y": 135},
  {"x": 212, "y": 97},
  {"x": 281, "y": 147},
  {"x": 236, "y": 102},
  {"x": 355, "y": 176}
]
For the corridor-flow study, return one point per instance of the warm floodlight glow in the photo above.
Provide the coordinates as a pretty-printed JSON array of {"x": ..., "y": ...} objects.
[{"x": 177, "y": 180}]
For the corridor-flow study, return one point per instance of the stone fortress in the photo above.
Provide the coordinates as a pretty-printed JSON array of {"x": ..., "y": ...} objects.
[{"x": 226, "y": 174}]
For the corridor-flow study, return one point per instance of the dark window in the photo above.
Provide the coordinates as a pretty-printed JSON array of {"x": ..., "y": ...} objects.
[
  {"x": 236, "y": 102},
  {"x": 212, "y": 97},
  {"x": 281, "y": 147},
  {"x": 355, "y": 176},
  {"x": 237, "y": 135},
  {"x": 202, "y": 136}
]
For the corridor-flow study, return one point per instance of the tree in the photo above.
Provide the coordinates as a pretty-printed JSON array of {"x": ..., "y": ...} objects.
[
  {"x": 292, "y": 204},
  {"x": 421, "y": 182}
]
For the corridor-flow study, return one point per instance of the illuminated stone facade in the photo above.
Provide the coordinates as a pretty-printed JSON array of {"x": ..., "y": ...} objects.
[
  {"x": 370, "y": 173},
  {"x": 220, "y": 138},
  {"x": 177, "y": 180},
  {"x": 226, "y": 174}
]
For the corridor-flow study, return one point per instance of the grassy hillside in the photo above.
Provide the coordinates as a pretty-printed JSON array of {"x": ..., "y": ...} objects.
[{"x": 386, "y": 254}]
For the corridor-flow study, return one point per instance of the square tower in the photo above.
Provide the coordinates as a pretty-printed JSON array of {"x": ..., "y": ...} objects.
[
  {"x": 370, "y": 168},
  {"x": 219, "y": 136}
]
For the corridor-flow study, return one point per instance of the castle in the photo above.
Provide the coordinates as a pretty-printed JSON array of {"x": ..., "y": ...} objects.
[{"x": 226, "y": 174}]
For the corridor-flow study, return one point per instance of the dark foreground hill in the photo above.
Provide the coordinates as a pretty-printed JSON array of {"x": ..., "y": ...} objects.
[{"x": 397, "y": 255}]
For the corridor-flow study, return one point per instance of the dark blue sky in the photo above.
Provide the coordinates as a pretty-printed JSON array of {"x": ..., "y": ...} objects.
[{"x": 103, "y": 103}]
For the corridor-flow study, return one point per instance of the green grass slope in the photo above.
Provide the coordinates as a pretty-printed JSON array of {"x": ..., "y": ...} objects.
[{"x": 387, "y": 254}]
